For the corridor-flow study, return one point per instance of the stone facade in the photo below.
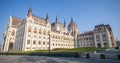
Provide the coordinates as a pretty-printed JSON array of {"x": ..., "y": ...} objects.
[
  {"x": 35, "y": 33},
  {"x": 101, "y": 36}
]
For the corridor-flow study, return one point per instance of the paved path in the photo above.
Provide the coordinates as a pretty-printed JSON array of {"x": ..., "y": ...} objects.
[{"x": 43, "y": 59}]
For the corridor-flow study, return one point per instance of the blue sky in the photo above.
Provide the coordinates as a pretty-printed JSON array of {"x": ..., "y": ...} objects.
[{"x": 86, "y": 13}]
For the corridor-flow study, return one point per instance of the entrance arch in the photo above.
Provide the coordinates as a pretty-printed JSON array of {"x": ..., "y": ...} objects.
[
  {"x": 99, "y": 45},
  {"x": 10, "y": 46}
]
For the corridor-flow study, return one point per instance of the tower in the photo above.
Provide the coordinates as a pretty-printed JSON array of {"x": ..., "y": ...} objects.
[
  {"x": 72, "y": 28},
  {"x": 29, "y": 11},
  {"x": 56, "y": 21},
  {"x": 47, "y": 19},
  {"x": 64, "y": 23}
]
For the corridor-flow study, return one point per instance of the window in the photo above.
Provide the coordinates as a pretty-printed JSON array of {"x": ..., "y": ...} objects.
[
  {"x": 44, "y": 37},
  {"x": 30, "y": 21},
  {"x": 34, "y": 42},
  {"x": 27, "y": 47},
  {"x": 81, "y": 44},
  {"x": 43, "y": 42},
  {"x": 103, "y": 36},
  {"x": 97, "y": 37},
  {"x": 10, "y": 38},
  {"x": 39, "y": 42},
  {"x": 86, "y": 38},
  {"x": 84, "y": 44},
  {"x": 44, "y": 33},
  {"x": 40, "y": 32},
  {"x": 90, "y": 44},
  {"x": 90, "y": 38},
  {"x": 34, "y": 36},
  {"x": 105, "y": 44},
  {"x": 48, "y": 32},
  {"x": 13, "y": 33},
  {"x": 29, "y": 29},
  {"x": 35, "y": 30},
  {"x": 47, "y": 43},
  {"x": 87, "y": 44},
  {"x": 29, "y": 35},
  {"x": 39, "y": 36},
  {"x": 28, "y": 41}
]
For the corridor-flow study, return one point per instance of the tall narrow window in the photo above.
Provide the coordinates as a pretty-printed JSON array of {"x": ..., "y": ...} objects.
[
  {"x": 28, "y": 41},
  {"x": 35, "y": 30},
  {"x": 34, "y": 42},
  {"x": 48, "y": 32},
  {"x": 29, "y": 29},
  {"x": 44, "y": 33},
  {"x": 40, "y": 31},
  {"x": 39, "y": 42},
  {"x": 43, "y": 42},
  {"x": 13, "y": 33}
]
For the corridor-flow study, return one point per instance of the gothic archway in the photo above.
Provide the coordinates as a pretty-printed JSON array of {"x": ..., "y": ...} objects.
[
  {"x": 99, "y": 45},
  {"x": 10, "y": 46}
]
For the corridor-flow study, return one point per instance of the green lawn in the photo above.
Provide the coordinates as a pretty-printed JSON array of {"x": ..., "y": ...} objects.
[
  {"x": 79, "y": 49},
  {"x": 62, "y": 50}
]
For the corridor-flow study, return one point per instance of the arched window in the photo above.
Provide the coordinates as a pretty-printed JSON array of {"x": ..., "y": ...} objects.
[
  {"x": 35, "y": 30},
  {"x": 29, "y": 29},
  {"x": 10, "y": 46},
  {"x": 43, "y": 42},
  {"x": 40, "y": 31},
  {"x": 30, "y": 21},
  {"x": 44, "y": 33},
  {"x": 39, "y": 42},
  {"x": 13, "y": 33},
  {"x": 34, "y": 42},
  {"x": 48, "y": 33},
  {"x": 28, "y": 41}
]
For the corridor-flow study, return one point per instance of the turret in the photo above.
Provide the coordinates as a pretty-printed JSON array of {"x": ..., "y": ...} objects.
[
  {"x": 47, "y": 18},
  {"x": 56, "y": 20},
  {"x": 64, "y": 23},
  {"x": 29, "y": 12}
]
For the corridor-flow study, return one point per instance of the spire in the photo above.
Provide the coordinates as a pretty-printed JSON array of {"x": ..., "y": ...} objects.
[
  {"x": 30, "y": 8},
  {"x": 47, "y": 18},
  {"x": 71, "y": 19},
  {"x": 56, "y": 19},
  {"x": 29, "y": 11},
  {"x": 64, "y": 23}
]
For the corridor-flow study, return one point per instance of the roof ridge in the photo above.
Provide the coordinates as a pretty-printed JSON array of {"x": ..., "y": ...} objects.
[
  {"x": 38, "y": 17},
  {"x": 17, "y": 17}
]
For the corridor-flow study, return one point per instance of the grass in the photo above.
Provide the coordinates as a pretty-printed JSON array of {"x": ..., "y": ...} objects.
[
  {"x": 79, "y": 49},
  {"x": 84, "y": 49}
]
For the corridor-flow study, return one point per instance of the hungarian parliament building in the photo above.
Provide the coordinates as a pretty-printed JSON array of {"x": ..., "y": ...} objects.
[{"x": 35, "y": 33}]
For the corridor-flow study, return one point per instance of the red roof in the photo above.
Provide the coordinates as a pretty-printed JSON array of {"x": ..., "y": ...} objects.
[
  {"x": 72, "y": 24},
  {"x": 16, "y": 21},
  {"x": 41, "y": 20}
]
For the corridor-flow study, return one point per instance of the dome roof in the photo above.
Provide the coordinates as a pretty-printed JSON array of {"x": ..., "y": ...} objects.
[{"x": 72, "y": 24}]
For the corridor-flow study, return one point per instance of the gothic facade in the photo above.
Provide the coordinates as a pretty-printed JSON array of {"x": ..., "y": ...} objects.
[{"x": 35, "y": 33}]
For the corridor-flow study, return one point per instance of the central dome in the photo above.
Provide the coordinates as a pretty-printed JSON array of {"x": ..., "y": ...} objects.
[{"x": 72, "y": 24}]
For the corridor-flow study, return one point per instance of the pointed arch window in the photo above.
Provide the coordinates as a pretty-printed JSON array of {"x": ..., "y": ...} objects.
[
  {"x": 13, "y": 33},
  {"x": 35, "y": 30},
  {"x": 48, "y": 33},
  {"x": 44, "y": 32},
  {"x": 40, "y": 31},
  {"x": 28, "y": 41},
  {"x": 29, "y": 29}
]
